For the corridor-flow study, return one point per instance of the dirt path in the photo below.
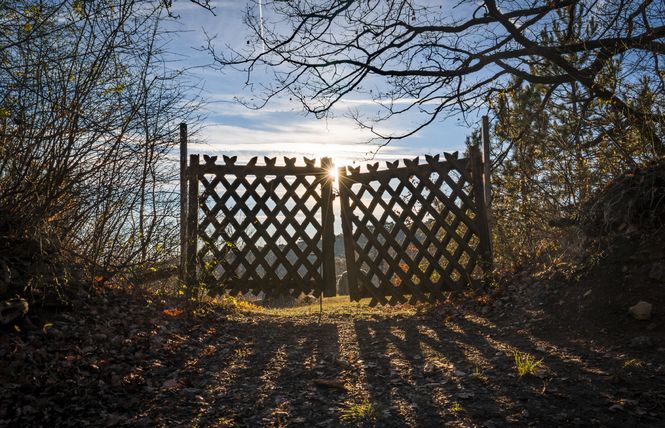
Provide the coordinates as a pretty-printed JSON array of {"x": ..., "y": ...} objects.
[{"x": 142, "y": 363}]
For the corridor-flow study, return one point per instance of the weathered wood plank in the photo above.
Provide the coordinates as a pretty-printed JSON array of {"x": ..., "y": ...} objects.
[
  {"x": 347, "y": 233},
  {"x": 328, "y": 243},
  {"x": 183, "y": 202},
  {"x": 192, "y": 223},
  {"x": 481, "y": 218},
  {"x": 259, "y": 170}
]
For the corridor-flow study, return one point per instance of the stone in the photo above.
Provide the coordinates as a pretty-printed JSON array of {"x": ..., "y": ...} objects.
[
  {"x": 641, "y": 310},
  {"x": 343, "y": 284},
  {"x": 657, "y": 271},
  {"x": 640, "y": 342}
]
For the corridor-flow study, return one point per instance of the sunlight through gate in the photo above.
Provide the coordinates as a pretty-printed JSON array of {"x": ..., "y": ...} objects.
[{"x": 412, "y": 232}]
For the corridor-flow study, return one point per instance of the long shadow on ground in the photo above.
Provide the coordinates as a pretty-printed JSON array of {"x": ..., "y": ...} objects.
[
  {"x": 123, "y": 362},
  {"x": 400, "y": 371}
]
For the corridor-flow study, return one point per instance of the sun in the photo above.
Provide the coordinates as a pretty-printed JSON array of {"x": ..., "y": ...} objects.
[{"x": 333, "y": 173}]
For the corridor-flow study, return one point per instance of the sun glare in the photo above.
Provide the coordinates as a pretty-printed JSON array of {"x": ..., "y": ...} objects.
[{"x": 332, "y": 172}]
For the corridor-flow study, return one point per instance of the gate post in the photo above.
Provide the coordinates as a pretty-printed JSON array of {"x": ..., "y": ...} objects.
[
  {"x": 487, "y": 172},
  {"x": 347, "y": 234},
  {"x": 482, "y": 217},
  {"x": 183, "y": 202},
  {"x": 192, "y": 222},
  {"x": 328, "y": 238}
]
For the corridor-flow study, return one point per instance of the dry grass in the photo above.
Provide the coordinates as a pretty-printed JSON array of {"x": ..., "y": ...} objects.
[
  {"x": 339, "y": 305},
  {"x": 358, "y": 413}
]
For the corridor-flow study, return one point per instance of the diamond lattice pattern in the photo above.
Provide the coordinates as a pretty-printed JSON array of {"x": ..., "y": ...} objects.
[
  {"x": 414, "y": 231},
  {"x": 261, "y": 233}
]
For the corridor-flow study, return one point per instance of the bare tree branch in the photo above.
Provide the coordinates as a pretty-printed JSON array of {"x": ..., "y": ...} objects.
[{"x": 321, "y": 52}]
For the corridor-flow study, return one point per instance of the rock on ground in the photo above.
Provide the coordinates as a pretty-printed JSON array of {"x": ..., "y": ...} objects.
[{"x": 641, "y": 310}]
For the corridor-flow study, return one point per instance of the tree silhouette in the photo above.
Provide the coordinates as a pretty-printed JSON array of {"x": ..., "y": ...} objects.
[{"x": 436, "y": 60}]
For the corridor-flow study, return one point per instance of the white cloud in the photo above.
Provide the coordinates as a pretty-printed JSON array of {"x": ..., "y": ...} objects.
[
  {"x": 338, "y": 138},
  {"x": 227, "y": 105}
]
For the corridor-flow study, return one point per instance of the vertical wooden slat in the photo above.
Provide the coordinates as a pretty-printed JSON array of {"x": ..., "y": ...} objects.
[
  {"x": 328, "y": 244},
  {"x": 183, "y": 201},
  {"x": 347, "y": 233},
  {"x": 482, "y": 217},
  {"x": 192, "y": 221},
  {"x": 487, "y": 173},
  {"x": 487, "y": 182}
]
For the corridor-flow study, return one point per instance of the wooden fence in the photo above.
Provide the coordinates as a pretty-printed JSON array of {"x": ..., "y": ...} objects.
[
  {"x": 411, "y": 230},
  {"x": 260, "y": 228}
]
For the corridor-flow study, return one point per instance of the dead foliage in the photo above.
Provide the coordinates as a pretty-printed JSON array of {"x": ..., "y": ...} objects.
[{"x": 633, "y": 203}]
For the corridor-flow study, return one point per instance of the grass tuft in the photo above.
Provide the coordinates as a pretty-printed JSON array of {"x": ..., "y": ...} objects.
[
  {"x": 479, "y": 375},
  {"x": 526, "y": 363},
  {"x": 364, "y": 411}
]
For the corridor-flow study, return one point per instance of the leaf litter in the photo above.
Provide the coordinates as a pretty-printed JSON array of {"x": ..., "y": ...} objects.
[{"x": 125, "y": 357}]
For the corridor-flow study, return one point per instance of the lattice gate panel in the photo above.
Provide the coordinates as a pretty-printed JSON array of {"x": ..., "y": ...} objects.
[
  {"x": 412, "y": 232},
  {"x": 264, "y": 228}
]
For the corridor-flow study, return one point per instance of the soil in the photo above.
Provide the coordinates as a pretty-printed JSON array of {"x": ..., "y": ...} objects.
[{"x": 124, "y": 357}]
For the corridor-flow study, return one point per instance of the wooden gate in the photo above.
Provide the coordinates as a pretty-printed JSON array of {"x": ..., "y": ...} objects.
[
  {"x": 412, "y": 232},
  {"x": 260, "y": 228}
]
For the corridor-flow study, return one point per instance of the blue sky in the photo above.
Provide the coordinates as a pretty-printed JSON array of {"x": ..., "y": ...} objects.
[{"x": 281, "y": 128}]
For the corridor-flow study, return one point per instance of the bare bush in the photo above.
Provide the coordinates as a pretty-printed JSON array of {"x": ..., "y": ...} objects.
[{"x": 89, "y": 109}]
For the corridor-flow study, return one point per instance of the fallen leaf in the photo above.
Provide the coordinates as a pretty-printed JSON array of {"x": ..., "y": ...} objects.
[{"x": 175, "y": 312}]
